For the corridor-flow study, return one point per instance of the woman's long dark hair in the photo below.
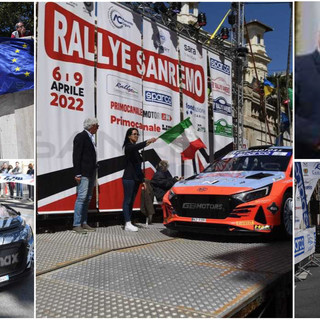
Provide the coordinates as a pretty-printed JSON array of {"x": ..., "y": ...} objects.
[{"x": 128, "y": 134}]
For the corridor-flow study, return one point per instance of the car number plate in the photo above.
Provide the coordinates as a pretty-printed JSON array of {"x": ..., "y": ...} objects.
[
  {"x": 199, "y": 220},
  {"x": 4, "y": 278}
]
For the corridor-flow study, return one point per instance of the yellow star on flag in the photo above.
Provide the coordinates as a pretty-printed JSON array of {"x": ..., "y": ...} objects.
[
  {"x": 27, "y": 74},
  {"x": 14, "y": 60},
  {"x": 24, "y": 45},
  {"x": 17, "y": 51},
  {"x": 17, "y": 68}
]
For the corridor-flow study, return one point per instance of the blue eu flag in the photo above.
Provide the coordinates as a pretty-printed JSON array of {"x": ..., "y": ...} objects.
[{"x": 16, "y": 65}]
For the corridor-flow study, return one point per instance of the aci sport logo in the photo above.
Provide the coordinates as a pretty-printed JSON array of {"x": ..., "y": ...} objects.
[{"x": 117, "y": 20}]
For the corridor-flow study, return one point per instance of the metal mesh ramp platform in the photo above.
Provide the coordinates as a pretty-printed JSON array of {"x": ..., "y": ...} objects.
[{"x": 152, "y": 275}]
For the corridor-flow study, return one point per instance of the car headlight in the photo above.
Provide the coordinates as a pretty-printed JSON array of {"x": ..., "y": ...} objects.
[
  {"x": 253, "y": 194},
  {"x": 171, "y": 194}
]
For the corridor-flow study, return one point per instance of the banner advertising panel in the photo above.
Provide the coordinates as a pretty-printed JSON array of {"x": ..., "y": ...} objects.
[
  {"x": 311, "y": 175},
  {"x": 221, "y": 86},
  {"x": 65, "y": 96},
  {"x": 119, "y": 95},
  {"x": 17, "y": 178},
  {"x": 161, "y": 101},
  {"x": 304, "y": 243},
  {"x": 301, "y": 222},
  {"x": 194, "y": 94}
]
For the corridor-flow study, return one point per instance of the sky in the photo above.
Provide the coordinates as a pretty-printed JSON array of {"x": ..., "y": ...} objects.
[{"x": 274, "y": 14}]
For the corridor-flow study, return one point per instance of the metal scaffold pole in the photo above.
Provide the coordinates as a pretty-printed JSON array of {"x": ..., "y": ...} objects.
[{"x": 239, "y": 62}]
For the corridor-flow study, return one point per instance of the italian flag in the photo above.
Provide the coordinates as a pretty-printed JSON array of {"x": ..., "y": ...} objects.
[{"x": 183, "y": 138}]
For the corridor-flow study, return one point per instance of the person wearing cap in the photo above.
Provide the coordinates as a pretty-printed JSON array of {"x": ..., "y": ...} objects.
[{"x": 85, "y": 166}]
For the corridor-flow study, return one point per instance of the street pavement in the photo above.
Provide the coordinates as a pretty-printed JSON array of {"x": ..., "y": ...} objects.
[
  {"x": 307, "y": 293},
  {"x": 154, "y": 273},
  {"x": 17, "y": 299}
]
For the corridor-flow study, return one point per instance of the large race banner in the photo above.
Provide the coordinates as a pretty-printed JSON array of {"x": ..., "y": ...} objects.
[
  {"x": 119, "y": 95},
  {"x": 65, "y": 96},
  {"x": 311, "y": 176},
  {"x": 221, "y": 86},
  {"x": 161, "y": 102},
  {"x": 194, "y": 93}
]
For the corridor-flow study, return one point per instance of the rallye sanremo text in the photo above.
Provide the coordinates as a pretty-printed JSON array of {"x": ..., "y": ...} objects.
[
  {"x": 16, "y": 245},
  {"x": 246, "y": 190}
]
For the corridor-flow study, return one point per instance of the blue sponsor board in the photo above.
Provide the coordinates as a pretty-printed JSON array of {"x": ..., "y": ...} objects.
[
  {"x": 299, "y": 246},
  {"x": 156, "y": 97},
  {"x": 218, "y": 65},
  {"x": 302, "y": 192}
]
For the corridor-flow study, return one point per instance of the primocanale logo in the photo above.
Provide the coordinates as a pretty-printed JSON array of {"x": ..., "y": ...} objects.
[
  {"x": 203, "y": 206},
  {"x": 117, "y": 20},
  {"x": 9, "y": 260},
  {"x": 152, "y": 96},
  {"x": 217, "y": 65}
]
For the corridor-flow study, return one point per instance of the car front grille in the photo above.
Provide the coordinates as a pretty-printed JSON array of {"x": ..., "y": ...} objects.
[
  {"x": 203, "y": 206},
  {"x": 12, "y": 258}
]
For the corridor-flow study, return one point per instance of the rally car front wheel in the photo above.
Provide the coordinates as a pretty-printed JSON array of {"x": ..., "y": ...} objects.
[{"x": 286, "y": 215}]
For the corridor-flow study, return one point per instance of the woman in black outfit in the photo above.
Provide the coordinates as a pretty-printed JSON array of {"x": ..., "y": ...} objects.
[{"x": 132, "y": 176}]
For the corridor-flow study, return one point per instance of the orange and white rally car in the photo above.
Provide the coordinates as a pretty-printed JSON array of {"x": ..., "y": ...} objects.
[{"x": 246, "y": 190}]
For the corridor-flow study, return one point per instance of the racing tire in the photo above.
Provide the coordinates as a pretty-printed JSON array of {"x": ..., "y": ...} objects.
[{"x": 286, "y": 216}]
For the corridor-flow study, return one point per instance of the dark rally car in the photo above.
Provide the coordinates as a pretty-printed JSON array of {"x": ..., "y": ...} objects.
[{"x": 16, "y": 245}]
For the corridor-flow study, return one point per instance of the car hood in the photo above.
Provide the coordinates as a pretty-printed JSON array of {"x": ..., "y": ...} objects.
[
  {"x": 12, "y": 227},
  {"x": 241, "y": 179}
]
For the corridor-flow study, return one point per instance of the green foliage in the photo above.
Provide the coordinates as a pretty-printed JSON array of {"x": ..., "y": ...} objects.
[{"x": 13, "y": 12}]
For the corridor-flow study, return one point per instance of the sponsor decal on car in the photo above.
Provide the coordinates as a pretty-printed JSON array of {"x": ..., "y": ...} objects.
[
  {"x": 202, "y": 189},
  {"x": 261, "y": 227},
  {"x": 203, "y": 206},
  {"x": 245, "y": 223}
]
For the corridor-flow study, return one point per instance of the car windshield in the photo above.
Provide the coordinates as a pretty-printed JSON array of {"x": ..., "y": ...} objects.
[
  {"x": 252, "y": 161},
  {"x": 6, "y": 213}
]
